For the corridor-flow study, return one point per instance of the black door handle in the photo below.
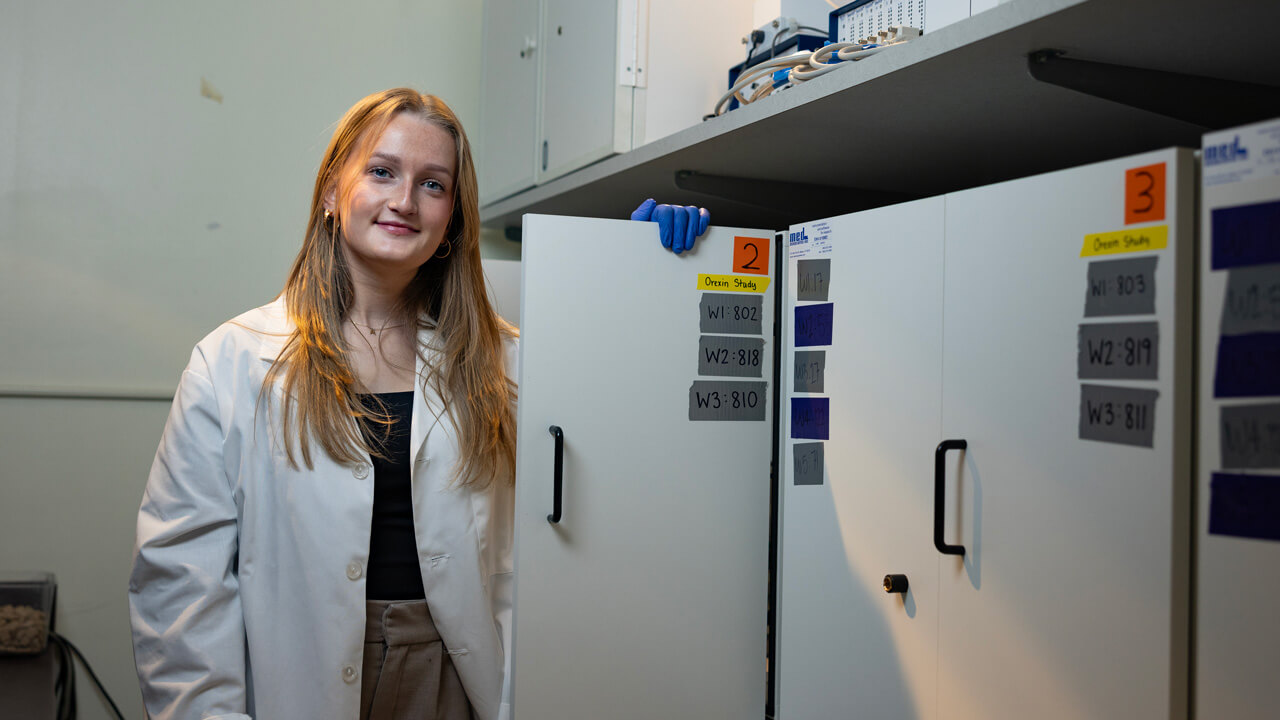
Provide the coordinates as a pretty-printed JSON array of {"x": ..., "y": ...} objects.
[
  {"x": 940, "y": 494},
  {"x": 558, "y": 434}
]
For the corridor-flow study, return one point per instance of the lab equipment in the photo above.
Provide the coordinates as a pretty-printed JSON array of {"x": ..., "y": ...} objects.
[{"x": 862, "y": 19}]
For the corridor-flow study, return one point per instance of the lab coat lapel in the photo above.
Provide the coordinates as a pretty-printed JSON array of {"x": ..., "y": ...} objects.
[
  {"x": 275, "y": 331},
  {"x": 427, "y": 404}
]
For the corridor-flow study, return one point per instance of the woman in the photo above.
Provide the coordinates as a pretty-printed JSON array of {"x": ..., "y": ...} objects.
[{"x": 326, "y": 530}]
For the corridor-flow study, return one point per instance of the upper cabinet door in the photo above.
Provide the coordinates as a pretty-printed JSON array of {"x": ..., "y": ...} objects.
[
  {"x": 1067, "y": 371},
  {"x": 506, "y": 144},
  {"x": 584, "y": 112},
  {"x": 857, "y": 493},
  {"x": 648, "y": 598}
]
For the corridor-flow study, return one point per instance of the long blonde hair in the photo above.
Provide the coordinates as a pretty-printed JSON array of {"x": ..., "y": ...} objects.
[{"x": 466, "y": 361}]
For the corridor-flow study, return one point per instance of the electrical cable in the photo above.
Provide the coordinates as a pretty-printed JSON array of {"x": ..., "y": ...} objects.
[
  {"x": 804, "y": 65},
  {"x": 65, "y": 684},
  {"x": 773, "y": 45},
  {"x": 756, "y": 72},
  {"x": 795, "y": 33},
  {"x": 757, "y": 37}
]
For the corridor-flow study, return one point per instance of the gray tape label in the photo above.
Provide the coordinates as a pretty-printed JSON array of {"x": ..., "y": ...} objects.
[
  {"x": 810, "y": 368},
  {"x": 1119, "y": 351},
  {"x": 1253, "y": 300},
  {"x": 726, "y": 400},
  {"x": 1121, "y": 287},
  {"x": 731, "y": 313},
  {"x": 809, "y": 463},
  {"x": 1250, "y": 436},
  {"x": 812, "y": 279},
  {"x": 1118, "y": 414},
  {"x": 730, "y": 356}
]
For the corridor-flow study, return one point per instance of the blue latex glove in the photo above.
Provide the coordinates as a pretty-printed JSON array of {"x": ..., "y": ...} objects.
[{"x": 678, "y": 225}]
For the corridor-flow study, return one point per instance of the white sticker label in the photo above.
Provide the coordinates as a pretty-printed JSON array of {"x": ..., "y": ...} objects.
[
  {"x": 810, "y": 240},
  {"x": 1248, "y": 153}
]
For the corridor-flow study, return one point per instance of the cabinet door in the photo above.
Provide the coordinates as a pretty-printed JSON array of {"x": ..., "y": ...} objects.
[
  {"x": 507, "y": 141},
  {"x": 1238, "y": 452},
  {"x": 1071, "y": 598},
  {"x": 584, "y": 113},
  {"x": 648, "y": 598},
  {"x": 846, "y": 647}
]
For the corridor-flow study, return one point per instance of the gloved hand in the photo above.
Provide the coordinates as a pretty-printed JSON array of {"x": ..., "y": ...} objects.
[{"x": 678, "y": 225}]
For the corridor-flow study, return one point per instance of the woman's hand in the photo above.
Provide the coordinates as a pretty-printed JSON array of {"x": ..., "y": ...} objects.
[{"x": 678, "y": 225}]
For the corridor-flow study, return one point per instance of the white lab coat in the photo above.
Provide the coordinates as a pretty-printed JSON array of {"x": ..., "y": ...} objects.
[{"x": 248, "y": 585}]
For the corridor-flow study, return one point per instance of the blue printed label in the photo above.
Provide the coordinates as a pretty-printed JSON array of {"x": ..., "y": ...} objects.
[
  {"x": 1248, "y": 366},
  {"x": 813, "y": 325},
  {"x": 810, "y": 418},
  {"x": 1245, "y": 506},
  {"x": 1245, "y": 235}
]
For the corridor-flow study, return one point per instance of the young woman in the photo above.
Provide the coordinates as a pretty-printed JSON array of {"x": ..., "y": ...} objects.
[{"x": 326, "y": 530}]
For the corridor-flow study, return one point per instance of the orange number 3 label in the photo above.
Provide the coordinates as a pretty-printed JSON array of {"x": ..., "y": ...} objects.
[{"x": 1144, "y": 194}]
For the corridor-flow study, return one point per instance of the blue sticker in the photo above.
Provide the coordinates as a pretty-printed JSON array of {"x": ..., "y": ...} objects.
[
  {"x": 1245, "y": 506},
  {"x": 810, "y": 418},
  {"x": 813, "y": 325},
  {"x": 1248, "y": 365},
  {"x": 1245, "y": 235}
]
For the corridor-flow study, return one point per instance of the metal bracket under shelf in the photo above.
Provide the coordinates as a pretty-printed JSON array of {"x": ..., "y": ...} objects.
[{"x": 1211, "y": 103}]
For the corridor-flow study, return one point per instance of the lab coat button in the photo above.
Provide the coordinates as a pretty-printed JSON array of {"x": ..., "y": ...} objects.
[
  {"x": 354, "y": 571},
  {"x": 361, "y": 471},
  {"x": 349, "y": 673}
]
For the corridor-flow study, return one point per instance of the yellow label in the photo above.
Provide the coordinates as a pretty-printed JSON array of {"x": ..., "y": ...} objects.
[
  {"x": 732, "y": 283},
  {"x": 1155, "y": 237}
]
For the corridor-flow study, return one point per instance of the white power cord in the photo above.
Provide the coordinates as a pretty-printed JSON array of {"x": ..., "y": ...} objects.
[{"x": 802, "y": 66}]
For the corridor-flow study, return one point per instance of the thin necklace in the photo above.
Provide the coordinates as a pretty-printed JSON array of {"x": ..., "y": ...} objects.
[{"x": 373, "y": 330}]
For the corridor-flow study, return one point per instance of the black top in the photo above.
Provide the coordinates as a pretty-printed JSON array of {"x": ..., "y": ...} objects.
[{"x": 393, "y": 572}]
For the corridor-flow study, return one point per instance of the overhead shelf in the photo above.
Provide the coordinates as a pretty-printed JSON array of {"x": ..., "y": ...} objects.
[{"x": 954, "y": 109}]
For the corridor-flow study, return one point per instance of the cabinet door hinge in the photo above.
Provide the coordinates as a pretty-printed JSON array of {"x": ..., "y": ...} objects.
[{"x": 633, "y": 42}]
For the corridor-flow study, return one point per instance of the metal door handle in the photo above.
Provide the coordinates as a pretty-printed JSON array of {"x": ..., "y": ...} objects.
[
  {"x": 940, "y": 494},
  {"x": 558, "y": 434}
]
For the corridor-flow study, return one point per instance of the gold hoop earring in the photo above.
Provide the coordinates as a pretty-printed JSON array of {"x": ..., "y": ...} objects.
[
  {"x": 328, "y": 215},
  {"x": 448, "y": 250}
]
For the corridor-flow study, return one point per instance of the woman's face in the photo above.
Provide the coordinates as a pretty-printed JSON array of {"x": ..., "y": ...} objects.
[{"x": 401, "y": 198}]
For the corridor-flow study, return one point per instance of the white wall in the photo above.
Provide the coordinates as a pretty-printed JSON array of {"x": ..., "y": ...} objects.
[{"x": 136, "y": 214}]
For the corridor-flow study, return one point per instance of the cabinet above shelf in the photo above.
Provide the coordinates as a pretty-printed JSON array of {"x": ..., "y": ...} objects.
[{"x": 951, "y": 110}]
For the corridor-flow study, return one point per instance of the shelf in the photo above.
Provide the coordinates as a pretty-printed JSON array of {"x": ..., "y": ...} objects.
[{"x": 951, "y": 110}]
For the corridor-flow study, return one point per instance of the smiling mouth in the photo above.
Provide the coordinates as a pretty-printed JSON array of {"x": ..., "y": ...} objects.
[{"x": 397, "y": 229}]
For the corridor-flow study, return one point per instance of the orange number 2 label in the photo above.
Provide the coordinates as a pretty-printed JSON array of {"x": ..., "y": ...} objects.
[
  {"x": 1144, "y": 194},
  {"x": 751, "y": 255}
]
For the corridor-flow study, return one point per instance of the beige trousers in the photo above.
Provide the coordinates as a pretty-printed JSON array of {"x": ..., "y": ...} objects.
[{"x": 408, "y": 674}]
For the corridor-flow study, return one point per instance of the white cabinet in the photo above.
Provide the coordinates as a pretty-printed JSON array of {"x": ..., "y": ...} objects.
[
  {"x": 596, "y": 77},
  {"x": 648, "y": 597},
  {"x": 509, "y": 80},
  {"x": 1072, "y": 598},
  {"x": 846, "y": 649},
  {"x": 1044, "y": 322},
  {"x": 969, "y": 317},
  {"x": 1238, "y": 450}
]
